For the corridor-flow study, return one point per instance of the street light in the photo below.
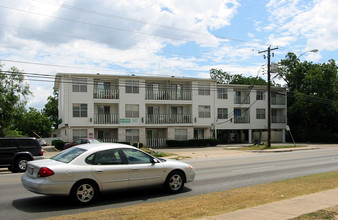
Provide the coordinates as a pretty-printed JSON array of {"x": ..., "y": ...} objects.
[{"x": 310, "y": 51}]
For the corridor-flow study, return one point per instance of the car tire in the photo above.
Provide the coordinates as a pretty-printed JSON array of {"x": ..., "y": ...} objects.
[
  {"x": 20, "y": 164},
  {"x": 174, "y": 182},
  {"x": 84, "y": 192}
]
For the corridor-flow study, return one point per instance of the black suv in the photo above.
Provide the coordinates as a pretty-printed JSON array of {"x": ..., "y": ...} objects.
[{"x": 15, "y": 152}]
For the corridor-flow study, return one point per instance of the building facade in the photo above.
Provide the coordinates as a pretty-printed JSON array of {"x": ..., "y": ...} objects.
[{"x": 151, "y": 110}]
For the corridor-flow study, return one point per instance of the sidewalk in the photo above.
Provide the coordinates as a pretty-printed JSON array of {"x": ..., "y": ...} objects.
[{"x": 285, "y": 209}]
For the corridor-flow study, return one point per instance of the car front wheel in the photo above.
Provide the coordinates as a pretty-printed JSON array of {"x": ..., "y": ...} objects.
[
  {"x": 21, "y": 164},
  {"x": 175, "y": 182},
  {"x": 84, "y": 192}
]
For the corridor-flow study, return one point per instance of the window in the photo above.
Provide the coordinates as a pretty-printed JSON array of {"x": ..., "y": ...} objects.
[
  {"x": 132, "y": 86},
  {"x": 181, "y": 134},
  {"x": 260, "y": 113},
  {"x": 136, "y": 157},
  {"x": 222, "y": 93},
  {"x": 204, "y": 111},
  {"x": 260, "y": 95},
  {"x": 107, "y": 157},
  {"x": 222, "y": 113},
  {"x": 79, "y": 84},
  {"x": 199, "y": 133},
  {"x": 203, "y": 89},
  {"x": 132, "y": 135},
  {"x": 79, "y": 133},
  {"x": 68, "y": 155},
  {"x": 79, "y": 110},
  {"x": 132, "y": 111}
]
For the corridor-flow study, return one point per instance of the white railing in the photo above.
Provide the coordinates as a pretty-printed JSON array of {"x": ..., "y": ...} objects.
[
  {"x": 106, "y": 119},
  {"x": 168, "y": 119},
  {"x": 106, "y": 94},
  {"x": 156, "y": 142},
  {"x": 278, "y": 119},
  {"x": 108, "y": 140},
  {"x": 277, "y": 101},
  {"x": 242, "y": 119},
  {"x": 168, "y": 95},
  {"x": 242, "y": 99}
]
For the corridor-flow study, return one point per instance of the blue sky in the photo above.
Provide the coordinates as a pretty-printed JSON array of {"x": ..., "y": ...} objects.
[{"x": 160, "y": 38}]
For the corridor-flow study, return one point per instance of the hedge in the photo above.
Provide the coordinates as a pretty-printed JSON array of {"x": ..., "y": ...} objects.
[
  {"x": 192, "y": 143},
  {"x": 58, "y": 144}
]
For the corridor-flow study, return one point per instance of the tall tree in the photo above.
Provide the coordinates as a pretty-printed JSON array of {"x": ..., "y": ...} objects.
[
  {"x": 313, "y": 98},
  {"x": 225, "y": 78},
  {"x": 51, "y": 109},
  {"x": 13, "y": 96}
]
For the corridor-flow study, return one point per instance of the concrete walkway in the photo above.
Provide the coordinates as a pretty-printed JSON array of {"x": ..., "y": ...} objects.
[{"x": 285, "y": 209}]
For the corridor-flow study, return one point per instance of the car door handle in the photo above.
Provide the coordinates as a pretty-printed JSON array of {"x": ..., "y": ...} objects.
[
  {"x": 135, "y": 170},
  {"x": 99, "y": 171}
]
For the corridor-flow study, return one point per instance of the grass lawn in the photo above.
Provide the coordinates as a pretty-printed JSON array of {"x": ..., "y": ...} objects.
[{"x": 217, "y": 203}]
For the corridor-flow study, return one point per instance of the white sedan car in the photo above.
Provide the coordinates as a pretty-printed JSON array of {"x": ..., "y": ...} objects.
[{"x": 85, "y": 170}]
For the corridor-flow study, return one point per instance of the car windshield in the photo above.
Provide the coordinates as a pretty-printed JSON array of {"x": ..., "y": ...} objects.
[{"x": 68, "y": 155}]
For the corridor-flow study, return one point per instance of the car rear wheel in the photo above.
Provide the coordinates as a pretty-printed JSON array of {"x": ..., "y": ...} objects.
[
  {"x": 84, "y": 192},
  {"x": 21, "y": 164},
  {"x": 175, "y": 182}
]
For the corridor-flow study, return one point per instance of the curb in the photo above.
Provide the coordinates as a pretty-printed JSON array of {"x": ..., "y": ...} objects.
[{"x": 284, "y": 150}]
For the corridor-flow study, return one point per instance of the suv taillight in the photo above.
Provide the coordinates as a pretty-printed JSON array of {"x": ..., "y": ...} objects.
[
  {"x": 42, "y": 152},
  {"x": 45, "y": 172}
]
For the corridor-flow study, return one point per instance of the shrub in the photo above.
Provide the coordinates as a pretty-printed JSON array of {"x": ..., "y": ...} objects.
[
  {"x": 58, "y": 144},
  {"x": 139, "y": 145},
  {"x": 192, "y": 143}
]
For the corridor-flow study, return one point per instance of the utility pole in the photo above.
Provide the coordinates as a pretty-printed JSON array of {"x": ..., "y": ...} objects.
[{"x": 269, "y": 93}]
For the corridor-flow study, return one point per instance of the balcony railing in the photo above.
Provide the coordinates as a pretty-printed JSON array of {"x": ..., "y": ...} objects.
[
  {"x": 278, "y": 119},
  {"x": 242, "y": 119},
  {"x": 106, "y": 94},
  {"x": 277, "y": 101},
  {"x": 168, "y": 119},
  {"x": 242, "y": 99},
  {"x": 106, "y": 119},
  {"x": 156, "y": 142},
  {"x": 109, "y": 140},
  {"x": 168, "y": 95}
]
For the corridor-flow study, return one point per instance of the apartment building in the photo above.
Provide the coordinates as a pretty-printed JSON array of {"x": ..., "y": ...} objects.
[{"x": 151, "y": 110}]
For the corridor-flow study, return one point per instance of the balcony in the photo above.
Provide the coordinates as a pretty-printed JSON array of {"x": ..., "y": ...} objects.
[
  {"x": 277, "y": 100},
  {"x": 106, "y": 94},
  {"x": 242, "y": 119},
  {"x": 168, "y": 94},
  {"x": 242, "y": 99},
  {"x": 168, "y": 119},
  {"x": 278, "y": 119},
  {"x": 106, "y": 119}
]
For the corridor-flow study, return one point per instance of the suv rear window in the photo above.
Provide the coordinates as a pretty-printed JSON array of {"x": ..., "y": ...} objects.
[{"x": 5, "y": 143}]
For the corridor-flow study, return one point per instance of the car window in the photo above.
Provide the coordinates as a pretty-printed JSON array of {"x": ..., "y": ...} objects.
[
  {"x": 27, "y": 142},
  {"x": 137, "y": 157},
  {"x": 68, "y": 155},
  {"x": 107, "y": 157},
  {"x": 78, "y": 141},
  {"x": 6, "y": 143}
]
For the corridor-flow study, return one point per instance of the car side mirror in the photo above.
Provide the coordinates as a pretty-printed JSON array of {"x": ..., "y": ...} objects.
[{"x": 155, "y": 160}]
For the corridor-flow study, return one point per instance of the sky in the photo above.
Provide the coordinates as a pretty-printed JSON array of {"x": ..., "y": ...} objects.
[{"x": 180, "y": 38}]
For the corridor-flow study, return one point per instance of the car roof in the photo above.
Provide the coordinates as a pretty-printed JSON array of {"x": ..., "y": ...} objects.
[{"x": 103, "y": 146}]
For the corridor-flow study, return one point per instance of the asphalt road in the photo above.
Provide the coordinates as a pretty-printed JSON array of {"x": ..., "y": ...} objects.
[{"x": 212, "y": 175}]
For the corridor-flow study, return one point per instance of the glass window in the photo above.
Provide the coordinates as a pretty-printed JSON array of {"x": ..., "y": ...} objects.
[
  {"x": 79, "y": 133},
  {"x": 79, "y": 84},
  {"x": 132, "y": 111},
  {"x": 181, "y": 134},
  {"x": 132, "y": 86},
  {"x": 260, "y": 95},
  {"x": 204, "y": 111},
  {"x": 137, "y": 157},
  {"x": 203, "y": 89},
  {"x": 222, "y": 93},
  {"x": 132, "y": 135},
  {"x": 222, "y": 113},
  {"x": 260, "y": 113},
  {"x": 68, "y": 155},
  {"x": 79, "y": 110},
  {"x": 107, "y": 157}
]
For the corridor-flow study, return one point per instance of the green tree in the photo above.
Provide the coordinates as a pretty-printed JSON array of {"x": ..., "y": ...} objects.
[
  {"x": 13, "y": 97},
  {"x": 313, "y": 98},
  {"x": 225, "y": 78},
  {"x": 34, "y": 121},
  {"x": 51, "y": 109}
]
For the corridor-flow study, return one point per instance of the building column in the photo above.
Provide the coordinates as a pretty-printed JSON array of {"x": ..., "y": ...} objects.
[
  {"x": 250, "y": 136},
  {"x": 284, "y": 134}
]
